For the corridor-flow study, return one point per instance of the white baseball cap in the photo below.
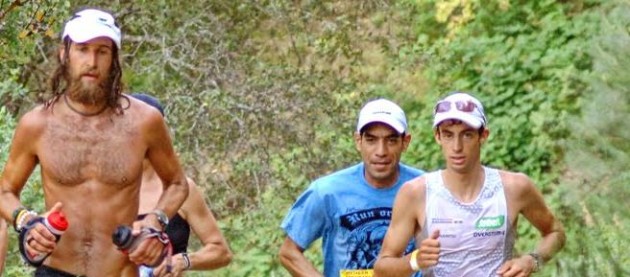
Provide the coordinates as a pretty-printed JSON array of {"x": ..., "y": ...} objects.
[
  {"x": 460, "y": 106},
  {"x": 89, "y": 24},
  {"x": 384, "y": 111}
]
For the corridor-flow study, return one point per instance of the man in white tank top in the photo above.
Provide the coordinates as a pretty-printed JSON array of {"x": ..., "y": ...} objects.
[{"x": 466, "y": 215}]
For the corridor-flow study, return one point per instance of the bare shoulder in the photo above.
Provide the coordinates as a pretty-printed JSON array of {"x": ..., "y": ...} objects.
[
  {"x": 414, "y": 188},
  {"x": 33, "y": 123},
  {"x": 517, "y": 184},
  {"x": 143, "y": 112},
  {"x": 35, "y": 119}
]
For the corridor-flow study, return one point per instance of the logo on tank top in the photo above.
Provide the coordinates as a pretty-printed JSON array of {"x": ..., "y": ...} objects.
[
  {"x": 437, "y": 220},
  {"x": 367, "y": 229},
  {"x": 449, "y": 227},
  {"x": 490, "y": 222}
]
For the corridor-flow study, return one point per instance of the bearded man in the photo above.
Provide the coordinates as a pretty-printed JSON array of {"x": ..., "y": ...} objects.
[{"x": 90, "y": 141}]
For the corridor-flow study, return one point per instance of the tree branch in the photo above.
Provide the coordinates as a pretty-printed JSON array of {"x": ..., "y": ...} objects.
[{"x": 13, "y": 5}]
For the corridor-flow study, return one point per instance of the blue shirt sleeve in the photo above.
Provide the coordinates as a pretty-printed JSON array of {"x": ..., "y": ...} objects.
[{"x": 307, "y": 219}]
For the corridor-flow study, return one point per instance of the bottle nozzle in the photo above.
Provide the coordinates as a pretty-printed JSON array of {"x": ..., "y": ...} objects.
[
  {"x": 122, "y": 237},
  {"x": 58, "y": 221}
]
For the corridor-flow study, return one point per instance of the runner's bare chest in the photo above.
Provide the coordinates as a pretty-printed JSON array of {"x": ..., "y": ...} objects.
[{"x": 75, "y": 150}]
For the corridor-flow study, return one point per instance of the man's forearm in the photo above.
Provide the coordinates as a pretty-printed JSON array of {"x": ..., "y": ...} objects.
[
  {"x": 551, "y": 243},
  {"x": 292, "y": 258},
  {"x": 392, "y": 266},
  {"x": 8, "y": 204},
  {"x": 173, "y": 197},
  {"x": 299, "y": 266},
  {"x": 211, "y": 256}
]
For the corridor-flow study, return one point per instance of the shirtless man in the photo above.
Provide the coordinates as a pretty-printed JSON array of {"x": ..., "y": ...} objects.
[
  {"x": 90, "y": 142},
  {"x": 466, "y": 215}
]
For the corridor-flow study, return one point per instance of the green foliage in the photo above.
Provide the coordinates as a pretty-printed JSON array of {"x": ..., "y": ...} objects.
[
  {"x": 599, "y": 157},
  {"x": 256, "y": 253},
  {"x": 26, "y": 33},
  {"x": 262, "y": 98},
  {"x": 526, "y": 61}
]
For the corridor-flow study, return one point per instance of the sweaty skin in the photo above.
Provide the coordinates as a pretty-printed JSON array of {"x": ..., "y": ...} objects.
[
  {"x": 91, "y": 156},
  {"x": 93, "y": 166}
]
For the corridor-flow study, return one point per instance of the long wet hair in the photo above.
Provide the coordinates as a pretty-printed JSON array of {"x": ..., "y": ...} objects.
[{"x": 59, "y": 80}]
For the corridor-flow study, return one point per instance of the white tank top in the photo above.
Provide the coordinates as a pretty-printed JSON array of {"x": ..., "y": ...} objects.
[{"x": 475, "y": 238}]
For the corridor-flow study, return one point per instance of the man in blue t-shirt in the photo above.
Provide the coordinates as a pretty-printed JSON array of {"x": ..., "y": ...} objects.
[{"x": 351, "y": 208}]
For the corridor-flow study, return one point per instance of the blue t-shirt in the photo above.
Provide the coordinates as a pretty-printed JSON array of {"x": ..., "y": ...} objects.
[{"x": 350, "y": 215}]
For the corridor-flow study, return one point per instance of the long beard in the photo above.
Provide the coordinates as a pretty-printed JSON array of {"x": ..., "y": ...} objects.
[{"x": 87, "y": 93}]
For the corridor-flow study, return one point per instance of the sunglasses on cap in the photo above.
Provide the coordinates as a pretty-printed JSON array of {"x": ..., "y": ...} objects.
[{"x": 462, "y": 106}]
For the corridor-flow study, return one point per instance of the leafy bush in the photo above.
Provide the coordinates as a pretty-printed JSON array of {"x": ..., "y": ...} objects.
[
  {"x": 262, "y": 98},
  {"x": 526, "y": 61},
  {"x": 596, "y": 183}
]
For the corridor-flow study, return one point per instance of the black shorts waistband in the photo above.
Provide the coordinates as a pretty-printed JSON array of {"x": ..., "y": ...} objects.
[{"x": 47, "y": 271}]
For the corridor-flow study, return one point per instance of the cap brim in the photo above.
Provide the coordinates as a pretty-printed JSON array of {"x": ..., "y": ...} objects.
[
  {"x": 81, "y": 31},
  {"x": 388, "y": 120},
  {"x": 467, "y": 118}
]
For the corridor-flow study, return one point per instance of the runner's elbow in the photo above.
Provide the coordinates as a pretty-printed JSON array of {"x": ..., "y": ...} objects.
[
  {"x": 284, "y": 256},
  {"x": 182, "y": 188},
  {"x": 226, "y": 257},
  {"x": 287, "y": 255},
  {"x": 378, "y": 267}
]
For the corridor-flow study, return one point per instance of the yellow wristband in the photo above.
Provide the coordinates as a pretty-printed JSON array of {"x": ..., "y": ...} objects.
[
  {"x": 21, "y": 219},
  {"x": 413, "y": 261},
  {"x": 22, "y": 212},
  {"x": 16, "y": 217}
]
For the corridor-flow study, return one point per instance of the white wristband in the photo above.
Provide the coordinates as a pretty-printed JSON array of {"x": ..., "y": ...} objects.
[
  {"x": 22, "y": 220},
  {"x": 187, "y": 264},
  {"x": 413, "y": 261}
]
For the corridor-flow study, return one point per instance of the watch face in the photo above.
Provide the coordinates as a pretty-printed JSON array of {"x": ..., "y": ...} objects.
[{"x": 162, "y": 218}]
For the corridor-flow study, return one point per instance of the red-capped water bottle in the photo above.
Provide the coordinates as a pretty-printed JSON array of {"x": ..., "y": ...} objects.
[{"x": 55, "y": 222}]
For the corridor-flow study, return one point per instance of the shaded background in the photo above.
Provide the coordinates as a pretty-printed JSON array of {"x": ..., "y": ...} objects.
[{"x": 262, "y": 96}]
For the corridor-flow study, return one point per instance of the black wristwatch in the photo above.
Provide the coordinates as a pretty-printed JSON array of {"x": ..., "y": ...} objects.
[
  {"x": 161, "y": 217},
  {"x": 538, "y": 261}
]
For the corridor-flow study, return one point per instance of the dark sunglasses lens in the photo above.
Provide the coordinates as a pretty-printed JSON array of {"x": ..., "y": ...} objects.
[
  {"x": 443, "y": 107},
  {"x": 465, "y": 106}
]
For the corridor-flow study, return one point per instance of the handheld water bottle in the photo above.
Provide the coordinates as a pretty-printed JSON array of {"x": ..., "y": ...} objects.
[
  {"x": 55, "y": 222},
  {"x": 146, "y": 271},
  {"x": 126, "y": 242}
]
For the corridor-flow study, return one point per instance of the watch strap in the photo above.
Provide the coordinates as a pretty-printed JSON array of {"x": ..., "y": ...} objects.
[
  {"x": 161, "y": 217},
  {"x": 538, "y": 261},
  {"x": 187, "y": 264}
]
